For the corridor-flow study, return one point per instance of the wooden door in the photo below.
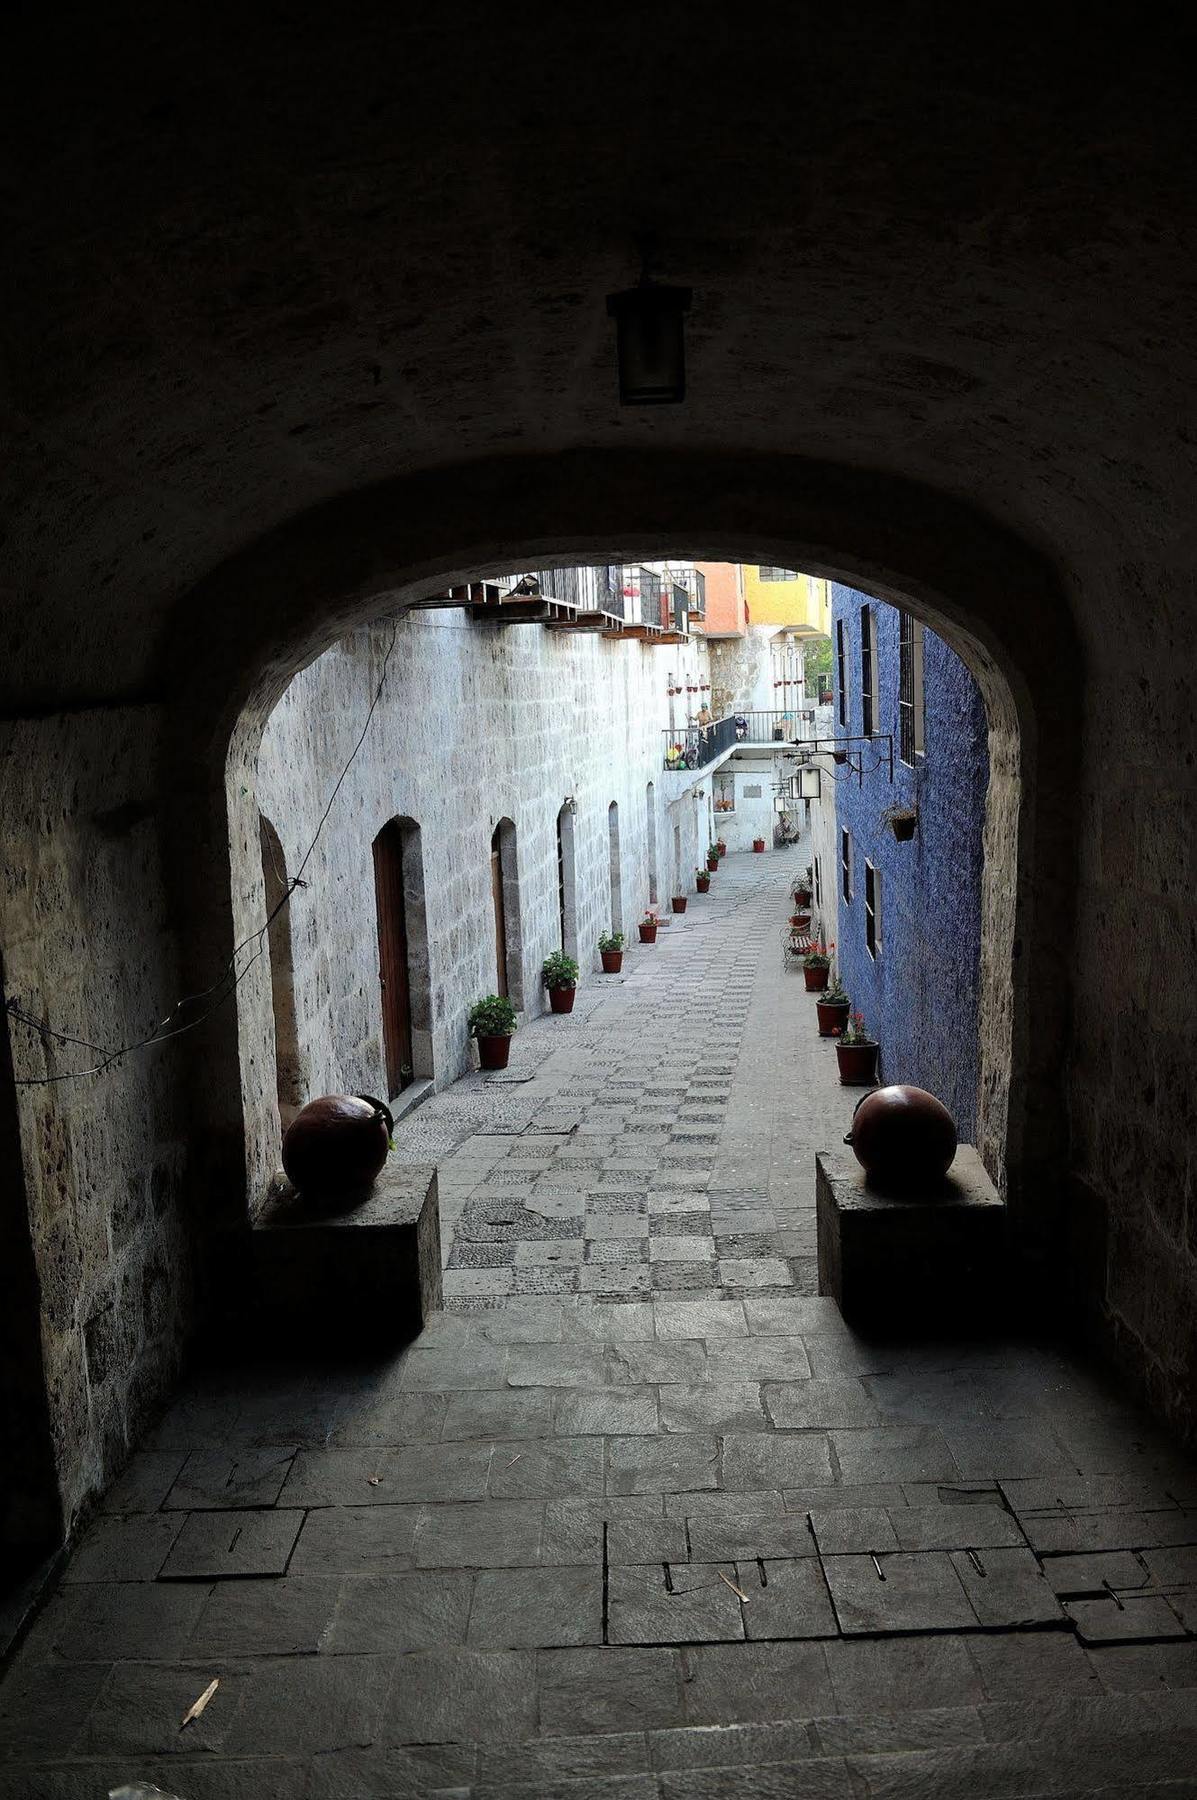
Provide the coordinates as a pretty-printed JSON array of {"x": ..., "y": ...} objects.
[
  {"x": 496, "y": 890},
  {"x": 393, "y": 973}
]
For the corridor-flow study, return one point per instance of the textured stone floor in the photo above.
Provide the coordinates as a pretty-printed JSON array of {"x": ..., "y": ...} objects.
[{"x": 680, "y": 1537}]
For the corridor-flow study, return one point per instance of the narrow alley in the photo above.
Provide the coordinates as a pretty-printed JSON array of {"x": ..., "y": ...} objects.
[{"x": 637, "y": 1515}]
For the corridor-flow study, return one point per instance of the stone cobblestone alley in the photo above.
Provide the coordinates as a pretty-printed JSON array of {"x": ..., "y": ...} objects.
[{"x": 638, "y": 1515}]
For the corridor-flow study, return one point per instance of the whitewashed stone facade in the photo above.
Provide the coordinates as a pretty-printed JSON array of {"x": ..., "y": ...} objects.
[{"x": 476, "y": 725}]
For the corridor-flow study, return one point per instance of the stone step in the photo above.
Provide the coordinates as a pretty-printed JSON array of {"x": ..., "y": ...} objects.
[{"x": 1110, "y": 1745}]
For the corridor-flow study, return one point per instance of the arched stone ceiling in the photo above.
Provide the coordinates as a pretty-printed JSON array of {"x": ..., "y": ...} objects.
[{"x": 259, "y": 258}]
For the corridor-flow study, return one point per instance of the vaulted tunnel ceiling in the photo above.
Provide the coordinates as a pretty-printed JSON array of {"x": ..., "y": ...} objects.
[{"x": 259, "y": 259}]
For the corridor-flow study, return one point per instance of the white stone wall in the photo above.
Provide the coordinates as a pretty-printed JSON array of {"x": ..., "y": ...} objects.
[{"x": 476, "y": 724}]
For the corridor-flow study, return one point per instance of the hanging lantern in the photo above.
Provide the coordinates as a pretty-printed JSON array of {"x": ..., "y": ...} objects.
[{"x": 650, "y": 343}]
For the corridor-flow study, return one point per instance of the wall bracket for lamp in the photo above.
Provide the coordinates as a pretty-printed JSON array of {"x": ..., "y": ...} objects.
[{"x": 849, "y": 755}]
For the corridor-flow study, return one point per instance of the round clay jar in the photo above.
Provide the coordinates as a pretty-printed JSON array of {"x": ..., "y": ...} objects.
[
  {"x": 903, "y": 1137},
  {"x": 337, "y": 1144}
]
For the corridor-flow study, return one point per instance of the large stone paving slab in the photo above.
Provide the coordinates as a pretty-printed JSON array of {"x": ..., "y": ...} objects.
[{"x": 654, "y": 1499}]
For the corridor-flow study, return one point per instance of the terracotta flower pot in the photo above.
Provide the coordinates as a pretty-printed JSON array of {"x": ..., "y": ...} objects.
[
  {"x": 493, "y": 1052},
  {"x": 703, "y": 883},
  {"x": 648, "y": 934},
  {"x": 721, "y": 846},
  {"x": 858, "y": 1064},
  {"x": 678, "y": 903},
  {"x": 612, "y": 961},
  {"x": 802, "y": 896},
  {"x": 816, "y": 979},
  {"x": 758, "y": 845},
  {"x": 800, "y": 921},
  {"x": 561, "y": 999},
  {"x": 833, "y": 1016},
  {"x": 712, "y": 863}
]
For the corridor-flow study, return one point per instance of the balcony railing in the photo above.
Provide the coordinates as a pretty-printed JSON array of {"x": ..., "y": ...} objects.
[
  {"x": 694, "y": 746},
  {"x": 778, "y": 727}
]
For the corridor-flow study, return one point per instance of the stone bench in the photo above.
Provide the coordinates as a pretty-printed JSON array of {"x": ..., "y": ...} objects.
[
  {"x": 370, "y": 1272},
  {"x": 932, "y": 1255}
]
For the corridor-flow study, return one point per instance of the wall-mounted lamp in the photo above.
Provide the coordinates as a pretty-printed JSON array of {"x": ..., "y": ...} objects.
[
  {"x": 650, "y": 342},
  {"x": 810, "y": 785}
]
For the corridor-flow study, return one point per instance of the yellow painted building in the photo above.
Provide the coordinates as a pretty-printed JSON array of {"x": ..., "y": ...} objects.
[{"x": 784, "y": 597}]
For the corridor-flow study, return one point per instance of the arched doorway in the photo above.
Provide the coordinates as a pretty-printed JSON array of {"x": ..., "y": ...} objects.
[
  {"x": 505, "y": 902},
  {"x": 291, "y": 1081},
  {"x": 567, "y": 891},
  {"x": 402, "y": 954},
  {"x": 650, "y": 832},
  {"x": 613, "y": 853}
]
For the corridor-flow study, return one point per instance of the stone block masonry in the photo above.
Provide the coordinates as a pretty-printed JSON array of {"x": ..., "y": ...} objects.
[{"x": 476, "y": 726}]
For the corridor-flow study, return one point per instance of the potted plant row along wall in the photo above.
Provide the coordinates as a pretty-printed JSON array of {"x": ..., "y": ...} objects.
[
  {"x": 611, "y": 951},
  {"x": 561, "y": 978},
  {"x": 721, "y": 847},
  {"x": 833, "y": 1007},
  {"x": 678, "y": 903},
  {"x": 713, "y": 854},
  {"x": 492, "y": 1022},
  {"x": 648, "y": 927},
  {"x": 816, "y": 968},
  {"x": 857, "y": 1053},
  {"x": 803, "y": 890},
  {"x": 702, "y": 880}
]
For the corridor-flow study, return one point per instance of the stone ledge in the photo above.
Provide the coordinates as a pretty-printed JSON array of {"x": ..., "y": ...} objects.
[
  {"x": 930, "y": 1255},
  {"x": 369, "y": 1271}
]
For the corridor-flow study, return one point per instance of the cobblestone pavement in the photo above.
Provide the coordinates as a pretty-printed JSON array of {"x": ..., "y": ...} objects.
[{"x": 680, "y": 1537}]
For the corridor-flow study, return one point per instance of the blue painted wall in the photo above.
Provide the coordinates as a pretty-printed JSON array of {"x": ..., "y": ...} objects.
[{"x": 919, "y": 997}]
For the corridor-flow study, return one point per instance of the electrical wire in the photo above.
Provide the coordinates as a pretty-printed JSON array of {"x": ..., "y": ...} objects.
[{"x": 230, "y": 977}]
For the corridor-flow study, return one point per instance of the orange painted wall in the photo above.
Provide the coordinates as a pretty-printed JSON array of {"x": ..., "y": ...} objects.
[{"x": 726, "y": 611}]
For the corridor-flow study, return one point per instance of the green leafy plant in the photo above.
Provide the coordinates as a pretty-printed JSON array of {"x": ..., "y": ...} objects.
[
  {"x": 834, "y": 994},
  {"x": 492, "y": 1017},
  {"x": 854, "y": 1031},
  {"x": 611, "y": 940},
  {"x": 817, "y": 957},
  {"x": 560, "y": 970}
]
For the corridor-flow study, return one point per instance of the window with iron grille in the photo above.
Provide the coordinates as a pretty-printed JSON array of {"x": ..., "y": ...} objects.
[
  {"x": 910, "y": 688},
  {"x": 846, "y": 864},
  {"x": 868, "y": 670},
  {"x": 841, "y": 671},
  {"x": 872, "y": 900},
  {"x": 777, "y": 574}
]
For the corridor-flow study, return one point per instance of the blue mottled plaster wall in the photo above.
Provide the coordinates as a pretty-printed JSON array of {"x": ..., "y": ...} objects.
[{"x": 919, "y": 996}]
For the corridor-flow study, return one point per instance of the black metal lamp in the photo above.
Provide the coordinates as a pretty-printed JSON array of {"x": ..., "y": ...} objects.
[{"x": 650, "y": 343}]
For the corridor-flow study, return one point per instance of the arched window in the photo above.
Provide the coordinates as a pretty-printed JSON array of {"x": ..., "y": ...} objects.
[
  {"x": 505, "y": 898},
  {"x": 567, "y": 905},
  {"x": 403, "y": 971},
  {"x": 291, "y": 1072},
  {"x": 616, "y": 884}
]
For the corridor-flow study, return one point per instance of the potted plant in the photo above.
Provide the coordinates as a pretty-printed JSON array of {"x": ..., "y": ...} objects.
[
  {"x": 803, "y": 890},
  {"x": 720, "y": 846},
  {"x": 712, "y": 857},
  {"x": 833, "y": 1007},
  {"x": 561, "y": 978},
  {"x": 901, "y": 821},
  {"x": 702, "y": 880},
  {"x": 678, "y": 903},
  {"x": 611, "y": 951},
  {"x": 839, "y": 756},
  {"x": 758, "y": 845},
  {"x": 492, "y": 1022},
  {"x": 800, "y": 921},
  {"x": 648, "y": 927},
  {"x": 857, "y": 1053},
  {"x": 673, "y": 756},
  {"x": 816, "y": 968}
]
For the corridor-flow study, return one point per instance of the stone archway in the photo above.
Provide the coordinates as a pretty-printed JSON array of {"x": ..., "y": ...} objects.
[{"x": 989, "y": 595}]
